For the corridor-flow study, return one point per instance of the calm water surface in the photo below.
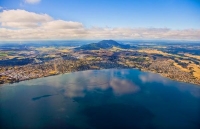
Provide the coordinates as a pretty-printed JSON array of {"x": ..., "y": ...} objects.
[{"x": 103, "y": 99}]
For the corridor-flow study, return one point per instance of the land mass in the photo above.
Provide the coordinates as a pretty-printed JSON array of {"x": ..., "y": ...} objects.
[
  {"x": 173, "y": 60},
  {"x": 104, "y": 44}
]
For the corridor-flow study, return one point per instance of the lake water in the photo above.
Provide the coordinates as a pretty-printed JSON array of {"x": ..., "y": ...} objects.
[{"x": 100, "y": 99}]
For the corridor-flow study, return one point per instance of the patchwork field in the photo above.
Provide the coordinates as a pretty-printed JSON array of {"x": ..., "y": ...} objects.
[
  {"x": 181, "y": 68},
  {"x": 153, "y": 51},
  {"x": 193, "y": 56},
  {"x": 196, "y": 69}
]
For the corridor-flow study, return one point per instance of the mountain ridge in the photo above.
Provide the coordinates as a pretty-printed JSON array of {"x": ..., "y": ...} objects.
[{"x": 104, "y": 44}]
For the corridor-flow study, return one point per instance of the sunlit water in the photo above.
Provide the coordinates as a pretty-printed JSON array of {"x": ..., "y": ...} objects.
[{"x": 117, "y": 99}]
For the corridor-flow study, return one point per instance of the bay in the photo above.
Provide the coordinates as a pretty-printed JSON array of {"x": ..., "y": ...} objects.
[{"x": 100, "y": 99}]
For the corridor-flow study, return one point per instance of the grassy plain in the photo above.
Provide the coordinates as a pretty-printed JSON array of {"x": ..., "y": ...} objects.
[
  {"x": 196, "y": 69},
  {"x": 154, "y": 51},
  {"x": 193, "y": 56}
]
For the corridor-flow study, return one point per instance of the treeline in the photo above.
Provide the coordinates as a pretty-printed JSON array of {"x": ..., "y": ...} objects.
[{"x": 16, "y": 62}]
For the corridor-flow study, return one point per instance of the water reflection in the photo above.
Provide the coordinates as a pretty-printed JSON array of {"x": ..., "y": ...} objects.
[
  {"x": 76, "y": 86},
  {"x": 150, "y": 77},
  {"x": 120, "y": 86},
  {"x": 183, "y": 87}
]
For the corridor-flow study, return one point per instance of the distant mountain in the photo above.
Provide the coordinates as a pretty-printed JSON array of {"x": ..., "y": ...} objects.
[{"x": 104, "y": 44}]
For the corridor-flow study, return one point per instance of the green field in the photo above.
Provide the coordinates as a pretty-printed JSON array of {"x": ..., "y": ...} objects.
[{"x": 3, "y": 54}]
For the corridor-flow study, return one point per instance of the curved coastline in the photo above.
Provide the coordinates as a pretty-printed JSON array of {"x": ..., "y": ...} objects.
[{"x": 143, "y": 70}]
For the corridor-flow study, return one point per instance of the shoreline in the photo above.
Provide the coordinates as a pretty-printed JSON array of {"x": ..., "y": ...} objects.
[
  {"x": 198, "y": 84},
  {"x": 143, "y": 70}
]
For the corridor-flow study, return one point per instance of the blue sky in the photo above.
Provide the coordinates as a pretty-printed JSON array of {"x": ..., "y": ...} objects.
[
  {"x": 171, "y": 14},
  {"x": 175, "y": 14}
]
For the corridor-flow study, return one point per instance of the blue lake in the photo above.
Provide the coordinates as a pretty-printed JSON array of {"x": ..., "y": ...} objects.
[{"x": 100, "y": 99}]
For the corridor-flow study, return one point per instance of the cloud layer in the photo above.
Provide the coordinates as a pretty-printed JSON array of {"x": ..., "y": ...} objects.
[
  {"x": 32, "y": 1},
  {"x": 22, "y": 19},
  {"x": 24, "y": 25}
]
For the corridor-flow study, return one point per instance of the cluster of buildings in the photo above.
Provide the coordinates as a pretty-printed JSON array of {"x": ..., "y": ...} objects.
[{"x": 95, "y": 59}]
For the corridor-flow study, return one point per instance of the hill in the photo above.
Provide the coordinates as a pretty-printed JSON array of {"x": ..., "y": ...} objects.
[{"x": 104, "y": 44}]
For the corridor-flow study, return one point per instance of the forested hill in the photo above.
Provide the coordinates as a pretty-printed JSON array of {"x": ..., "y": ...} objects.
[{"x": 104, "y": 44}]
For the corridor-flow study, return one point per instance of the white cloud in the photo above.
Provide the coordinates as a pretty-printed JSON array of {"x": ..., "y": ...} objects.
[
  {"x": 22, "y": 19},
  {"x": 24, "y": 25},
  {"x": 32, "y": 1},
  {"x": 60, "y": 24},
  {"x": 1, "y": 8}
]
